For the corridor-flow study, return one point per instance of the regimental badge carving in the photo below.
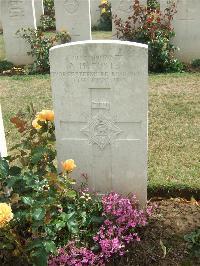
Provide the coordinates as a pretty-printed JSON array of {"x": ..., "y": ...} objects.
[
  {"x": 101, "y": 130},
  {"x": 71, "y": 6}
]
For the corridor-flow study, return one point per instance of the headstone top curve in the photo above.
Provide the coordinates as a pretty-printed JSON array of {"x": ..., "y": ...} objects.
[{"x": 113, "y": 42}]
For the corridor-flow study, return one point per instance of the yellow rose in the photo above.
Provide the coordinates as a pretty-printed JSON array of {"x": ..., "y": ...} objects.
[
  {"x": 5, "y": 214},
  {"x": 68, "y": 165},
  {"x": 103, "y": 10},
  {"x": 45, "y": 115},
  {"x": 35, "y": 124}
]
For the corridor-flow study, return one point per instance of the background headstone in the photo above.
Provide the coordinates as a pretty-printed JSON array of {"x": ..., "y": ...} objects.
[
  {"x": 1, "y": 27},
  {"x": 3, "y": 149},
  {"x": 74, "y": 16},
  {"x": 122, "y": 8},
  {"x": 186, "y": 24},
  {"x": 95, "y": 12},
  {"x": 17, "y": 14},
  {"x": 39, "y": 10},
  {"x": 100, "y": 103}
]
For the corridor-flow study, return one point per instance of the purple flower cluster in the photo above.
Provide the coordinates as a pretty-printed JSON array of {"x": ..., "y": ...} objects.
[{"x": 122, "y": 217}]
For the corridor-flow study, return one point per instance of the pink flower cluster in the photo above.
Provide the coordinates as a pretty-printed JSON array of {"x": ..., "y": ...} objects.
[
  {"x": 71, "y": 255},
  {"x": 122, "y": 218}
]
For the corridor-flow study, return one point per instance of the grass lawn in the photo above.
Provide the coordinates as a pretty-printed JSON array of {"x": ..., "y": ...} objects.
[
  {"x": 174, "y": 122},
  {"x": 2, "y": 51}
]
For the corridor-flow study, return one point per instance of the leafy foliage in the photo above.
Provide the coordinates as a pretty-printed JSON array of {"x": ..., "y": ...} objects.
[
  {"x": 40, "y": 46},
  {"x": 105, "y": 22},
  {"x": 5, "y": 65},
  {"x": 47, "y": 21},
  {"x": 196, "y": 63},
  {"x": 193, "y": 240},
  {"x": 48, "y": 213},
  {"x": 149, "y": 25}
]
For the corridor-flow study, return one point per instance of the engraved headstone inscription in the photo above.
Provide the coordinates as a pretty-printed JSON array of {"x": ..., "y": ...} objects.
[
  {"x": 100, "y": 102},
  {"x": 3, "y": 149},
  {"x": 17, "y": 14},
  {"x": 74, "y": 17}
]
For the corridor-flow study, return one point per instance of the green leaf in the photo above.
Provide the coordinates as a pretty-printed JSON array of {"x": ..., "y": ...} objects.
[
  {"x": 50, "y": 246},
  {"x": 72, "y": 223},
  {"x": 14, "y": 171},
  {"x": 97, "y": 219},
  {"x": 4, "y": 168},
  {"x": 37, "y": 154},
  {"x": 71, "y": 194},
  {"x": 27, "y": 200},
  {"x": 39, "y": 214},
  {"x": 39, "y": 257}
]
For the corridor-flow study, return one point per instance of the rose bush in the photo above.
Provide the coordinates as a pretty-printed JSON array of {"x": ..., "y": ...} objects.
[{"x": 149, "y": 25}]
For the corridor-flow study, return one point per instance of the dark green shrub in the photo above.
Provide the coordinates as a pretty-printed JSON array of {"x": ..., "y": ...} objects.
[
  {"x": 196, "y": 63},
  {"x": 153, "y": 27},
  {"x": 193, "y": 240},
  {"x": 47, "y": 21},
  {"x": 40, "y": 45},
  {"x": 49, "y": 7},
  {"x": 106, "y": 17},
  {"x": 153, "y": 4},
  {"x": 5, "y": 65}
]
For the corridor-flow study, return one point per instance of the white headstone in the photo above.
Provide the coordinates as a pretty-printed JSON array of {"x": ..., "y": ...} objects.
[
  {"x": 74, "y": 17},
  {"x": 17, "y": 14},
  {"x": 3, "y": 149},
  {"x": 186, "y": 24},
  {"x": 100, "y": 100},
  {"x": 1, "y": 27},
  {"x": 95, "y": 12},
  {"x": 123, "y": 9},
  {"x": 39, "y": 10}
]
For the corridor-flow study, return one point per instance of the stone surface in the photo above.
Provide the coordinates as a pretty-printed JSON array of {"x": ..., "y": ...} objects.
[
  {"x": 122, "y": 8},
  {"x": 1, "y": 26},
  {"x": 39, "y": 10},
  {"x": 74, "y": 16},
  {"x": 187, "y": 28},
  {"x": 3, "y": 149},
  {"x": 100, "y": 103},
  {"x": 17, "y": 14},
  {"x": 95, "y": 12}
]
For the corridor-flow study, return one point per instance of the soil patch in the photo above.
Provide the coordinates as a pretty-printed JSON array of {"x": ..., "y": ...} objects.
[{"x": 162, "y": 241}]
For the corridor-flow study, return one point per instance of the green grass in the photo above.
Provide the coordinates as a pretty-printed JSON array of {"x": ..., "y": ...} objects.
[
  {"x": 174, "y": 122},
  {"x": 101, "y": 35}
]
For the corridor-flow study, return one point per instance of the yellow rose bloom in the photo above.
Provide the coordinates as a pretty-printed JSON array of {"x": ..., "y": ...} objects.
[
  {"x": 68, "y": 165},
  {"x": 45, "y": 115},
  {"x": 5, "y": 214},
  {"x": 103, "y": 10},
  {"x": 35, "y": 124}
]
